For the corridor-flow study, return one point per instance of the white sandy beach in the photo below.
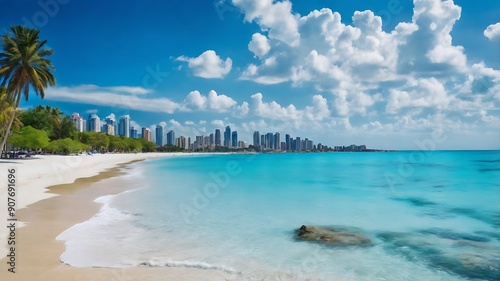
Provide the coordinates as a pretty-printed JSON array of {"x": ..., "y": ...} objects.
[
  {"x": 36, "y": 174},
  {"x": 72, "y": 201}
]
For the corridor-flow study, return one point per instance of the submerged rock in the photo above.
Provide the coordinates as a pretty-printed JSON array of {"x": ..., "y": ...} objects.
[{"x": 332, "y": 236}]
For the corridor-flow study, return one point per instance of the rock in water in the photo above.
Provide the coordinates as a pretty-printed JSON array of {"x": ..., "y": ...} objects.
[{"x": 332, "y": 236}]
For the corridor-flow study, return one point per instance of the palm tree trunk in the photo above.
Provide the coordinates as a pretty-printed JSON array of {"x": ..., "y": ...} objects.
[{"x": 11, "y": 121}]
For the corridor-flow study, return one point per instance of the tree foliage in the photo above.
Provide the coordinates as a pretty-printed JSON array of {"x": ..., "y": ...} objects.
[
  {"x": 50, "y": 120},
  {"x": 66, "y": 146},
  {"x": 170, "y": 148},
  {"x": 29, "y": 137},
  {"x": 24, "y": 65}
]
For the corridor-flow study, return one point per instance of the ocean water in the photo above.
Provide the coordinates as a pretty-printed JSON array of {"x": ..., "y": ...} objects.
[{"x": 430, "y": 216}]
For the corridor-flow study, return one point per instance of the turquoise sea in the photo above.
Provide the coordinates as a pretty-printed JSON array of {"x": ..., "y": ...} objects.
[{"x": 431, "y": 215}]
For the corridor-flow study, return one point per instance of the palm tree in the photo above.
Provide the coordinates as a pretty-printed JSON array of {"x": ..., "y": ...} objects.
[
  {"x": 6, "y": 110},
  {"x": 24, "y": 64}
]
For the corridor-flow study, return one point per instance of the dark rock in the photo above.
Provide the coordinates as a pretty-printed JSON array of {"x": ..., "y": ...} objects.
[{"x": 332, "y": 236}]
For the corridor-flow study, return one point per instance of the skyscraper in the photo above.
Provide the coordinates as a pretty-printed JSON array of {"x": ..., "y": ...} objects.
[
  {"x": 217, "y": 137},
  {"x": 234, "y": 139},
  {"x": 269, "y": 141},
  {"x": 94, "y": 123},
  {"x": 298, "y": 144},
  {"x": 109, "y": 126},
  {"x": 78, "y": 121},
  {"x": 263, "y": 141},
  {"x": 256, "y": 139},
  {"x": 124, "y": 126},
  {"x": 133, "y": 132},
  {"x": 159, "y": 135},
  {"x": 211, "y": 140},
  {"x": 227, "y": 137},
  {"x": 146, "y": 134},
  {"x": 277, "y": 141},
  {"x": 288, "y": 143},
  {"x": 171, "y": 137}
]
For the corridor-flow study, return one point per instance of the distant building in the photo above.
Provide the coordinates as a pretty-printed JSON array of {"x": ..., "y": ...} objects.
[
  {"x": 263, "y": 141},
  {"x": 256, "y": 139},
  {"x": 171, "y": 137},
  {"x": 109, "y": 126},
  {"x": 94, "y": 123},
  {"x": 234, "y": 139},
  {"x": 269, "y": 141},
  {"x": 146, "y": 134},
  {"x": 182, "y": 142},
  {"x": 211, "y": 140},
  {"x": 277, "y": 141},
  {"x": 227, "y": 137},
  {"x": 298, "y": 144},
  {"x": 288, "y": 143},
  {"x": 124, "y": 126},
  {"x": 217, "y": 137},
  {"x": 241, "y": 144},
  {"x": 78, "y": 121},
  {"x": 133, "y": 133},
  {"x": 159, "y": 135}
]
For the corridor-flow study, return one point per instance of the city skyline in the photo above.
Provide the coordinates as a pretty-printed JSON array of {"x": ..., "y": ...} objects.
[
  {"x": 390, "y": 73},
  {"x": 161, "y": 135}
]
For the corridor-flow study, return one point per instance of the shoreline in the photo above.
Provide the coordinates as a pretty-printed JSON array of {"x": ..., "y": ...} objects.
[{"x": 64, "y": 205}]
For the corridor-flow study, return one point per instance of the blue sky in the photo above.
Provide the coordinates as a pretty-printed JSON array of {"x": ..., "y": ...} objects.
[{"x": 389, "y": 74}]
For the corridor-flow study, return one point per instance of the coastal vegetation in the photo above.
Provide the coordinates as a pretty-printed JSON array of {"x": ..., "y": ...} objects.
[
  {"x": 46, "y": 128},
  {"x": 24, "y": 65}
]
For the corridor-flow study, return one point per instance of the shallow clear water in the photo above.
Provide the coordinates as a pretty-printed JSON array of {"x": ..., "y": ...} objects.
[{"x": 430, "y": 215}]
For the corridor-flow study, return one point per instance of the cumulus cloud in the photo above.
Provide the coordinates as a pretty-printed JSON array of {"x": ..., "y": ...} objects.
[
  {"x": 259, "y": 45},
  {"x": 208, "y": 65},
  {"x": 421, "y": 93},
  {"x": 274, "y": 16},
  {"x": 213, "y": 101},
  {"x": 493, "y": 31},
  {"x": 241, "y": 110}
]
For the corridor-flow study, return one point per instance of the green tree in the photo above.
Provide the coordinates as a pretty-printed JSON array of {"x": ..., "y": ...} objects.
[
  {"x": 147, "y": 146},
  {"x": 66, "y": 128},
  {"x": 6, "y": 111},
  {"x": 66, "y": 146},
  {"x": 24, "y": 64},
  {"x": 29, "y": 137}
]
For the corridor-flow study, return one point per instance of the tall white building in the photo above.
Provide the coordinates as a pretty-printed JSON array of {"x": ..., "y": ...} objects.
[
  {"x": 78, "y": 121},
  {"x": 94, "y": 123},
  {"x": 124, "y": 126}
]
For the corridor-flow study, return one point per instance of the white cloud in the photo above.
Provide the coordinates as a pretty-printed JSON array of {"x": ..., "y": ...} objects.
[
  {"x": 91, "y": 111},
  {"x": 241, "y": 110},
  {"x": 208, "y": 65},
  {"x": 111, "y": 117},
  {"x": 189, "y": 123},
  {"x": 259, "y": 45},
  {"x": 421, "y": 93},
  {"x": 218, "y": 123},
  {"x": 213, "y": 102},
  {"x": 135, "y": 125},
  {"x": 273, "y": 110},
  {"x": 130, "y": 90},
  {"x": 493, "y": 31},
  {"x": 274, "y": 16},
  {"x": 105, "y": 97},
  {"x": 338, "y": 56}
]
